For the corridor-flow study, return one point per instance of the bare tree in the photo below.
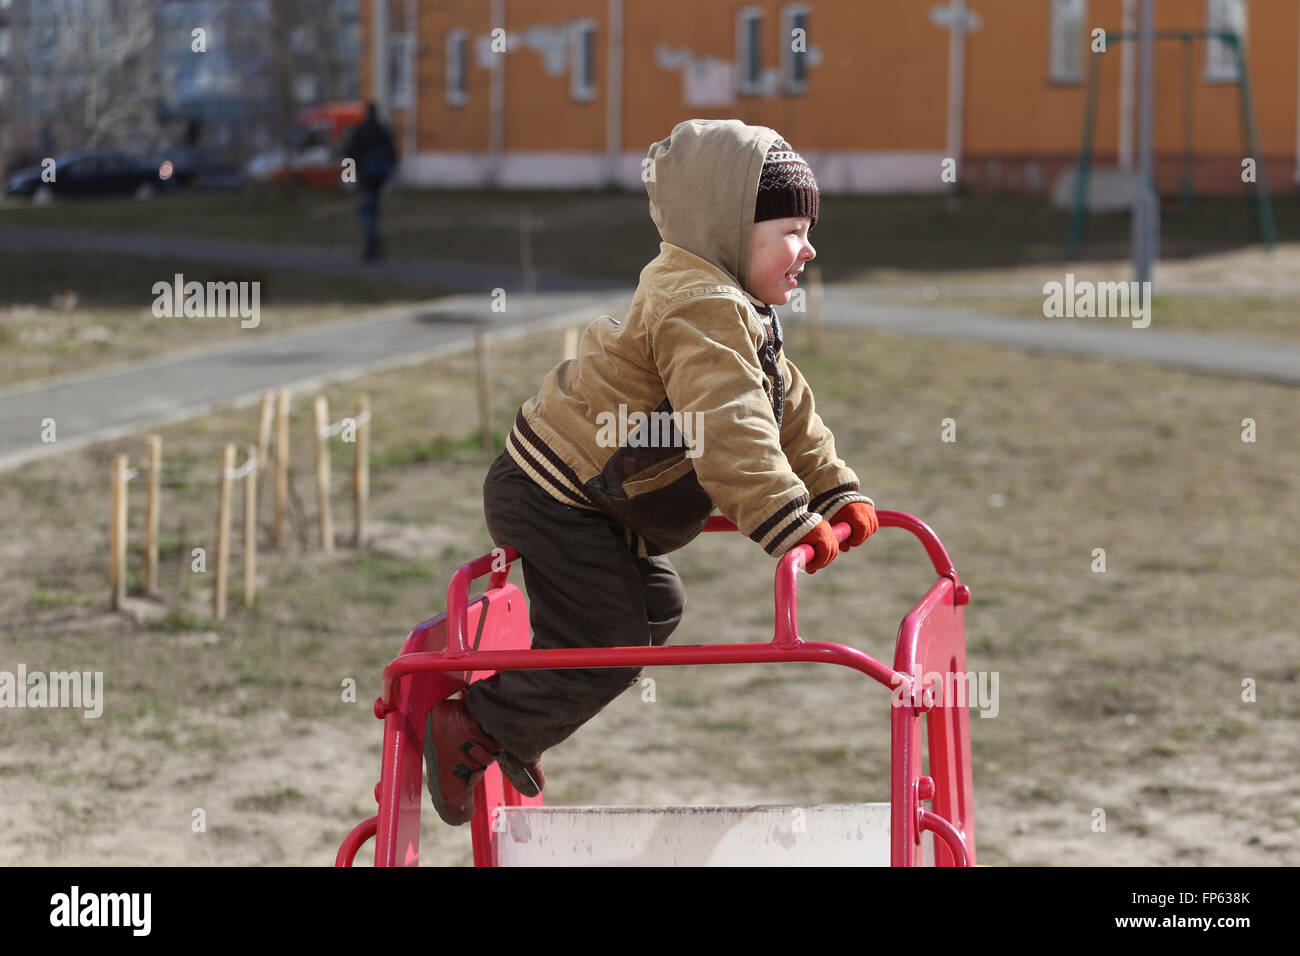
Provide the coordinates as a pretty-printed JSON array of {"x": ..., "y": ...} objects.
[
  {"x": 101, "y": 76},
  {"x": 307, "y": 61}
]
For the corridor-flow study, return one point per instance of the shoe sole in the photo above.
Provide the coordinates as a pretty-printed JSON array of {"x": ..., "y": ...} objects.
[{"x": 431, "y": 768}]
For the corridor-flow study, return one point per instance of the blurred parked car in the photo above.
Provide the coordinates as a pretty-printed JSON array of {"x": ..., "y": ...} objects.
[
  {"x": 200, "y": 167},
  {"x": 89, "y": 173}
]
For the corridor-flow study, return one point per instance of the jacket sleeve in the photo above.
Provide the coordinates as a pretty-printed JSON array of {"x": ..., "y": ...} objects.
[
  {"x": 810, "y": 448},
  {"x": 706, "y": 355}
]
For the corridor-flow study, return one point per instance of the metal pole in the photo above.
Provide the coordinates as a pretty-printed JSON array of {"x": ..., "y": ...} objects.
[
  {"x": 496, "y": 119},
  {"x": 1083, "y": 169},
  {"x": 1146, "y": 204},
  {"x": 411, "y": 142},
  {"x": 1188, "y": 123},
  {"x": 614, "y": 96},
  {"x": 1255, "y": 148},
  {"x": 1127, "y": 51},
  {"x": 956, "y": 83},
  {"x": 379, "y": 43}
]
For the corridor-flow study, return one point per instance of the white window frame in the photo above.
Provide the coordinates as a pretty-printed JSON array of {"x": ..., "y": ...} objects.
[
  {"x": 746, "y": 56},
  {"x": 457, "y": 67},
  {"x": 401, "y": 67},
  {"x": 788, "y": 56},
  {"x": 1220, "y": 64},
  {"x": 301, "y": 40},
  {"x": 1060, "y": 42},
  {"x": 580, "y": 90}
]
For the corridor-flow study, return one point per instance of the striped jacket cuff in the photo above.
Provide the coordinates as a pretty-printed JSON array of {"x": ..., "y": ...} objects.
[
  {"x": 782, "y": 530},
  {"x": 827, "y": 503}
]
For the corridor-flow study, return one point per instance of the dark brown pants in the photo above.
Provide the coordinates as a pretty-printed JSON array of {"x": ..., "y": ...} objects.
[{"x": 585, "y": 589}]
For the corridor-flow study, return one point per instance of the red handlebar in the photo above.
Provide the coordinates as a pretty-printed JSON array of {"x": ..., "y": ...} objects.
[{"x": 786, "y": 586}]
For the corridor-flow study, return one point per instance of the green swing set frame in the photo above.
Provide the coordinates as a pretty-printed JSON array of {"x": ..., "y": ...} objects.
[{"x": 1262, "y": 222}]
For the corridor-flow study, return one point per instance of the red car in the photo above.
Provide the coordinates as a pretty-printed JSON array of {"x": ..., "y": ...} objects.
[{"x": 313, "y": 150}]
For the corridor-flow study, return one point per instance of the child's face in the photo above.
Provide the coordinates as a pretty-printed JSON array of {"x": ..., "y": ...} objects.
[{"x": 780, "y": 247}]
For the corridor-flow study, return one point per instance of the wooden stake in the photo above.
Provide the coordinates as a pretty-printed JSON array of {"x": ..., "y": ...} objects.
[
  {"x": 250, "y": 526},
  {"x": 815, "y": 295},
  {"x": 265, "y": 417},
  {"x": 281, "y": 464},
  {"x": 484, "y": 392},
  {"x": 361, "y": 472},
  {"x": 323, "y": 474},
  {"x": 117, "y": 535},
  {"x": 151, "y": 516},
  {"x": 571, "y": 342},
  {"x": 223, "y": 533}
]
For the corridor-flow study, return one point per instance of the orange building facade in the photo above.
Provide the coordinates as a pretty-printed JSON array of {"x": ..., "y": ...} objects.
[{"x": 876, "y": 94}]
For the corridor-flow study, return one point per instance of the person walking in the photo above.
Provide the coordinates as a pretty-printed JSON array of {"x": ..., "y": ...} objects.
[{"x": 371, "y": 147}]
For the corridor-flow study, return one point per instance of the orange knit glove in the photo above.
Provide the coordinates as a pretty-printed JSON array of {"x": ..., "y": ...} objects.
[
  {"x": 822, "y": 540},
  {"x": 861, "y": 517}
]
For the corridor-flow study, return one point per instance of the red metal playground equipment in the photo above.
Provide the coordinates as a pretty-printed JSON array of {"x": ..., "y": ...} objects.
[{"x": 438, "y": 660}]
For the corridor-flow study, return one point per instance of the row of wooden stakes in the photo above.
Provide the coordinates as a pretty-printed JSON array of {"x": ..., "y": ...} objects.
[{"x": 274, "y": 411}]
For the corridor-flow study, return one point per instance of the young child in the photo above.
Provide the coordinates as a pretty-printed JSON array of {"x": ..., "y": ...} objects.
[{"x": 686, "y": 404}]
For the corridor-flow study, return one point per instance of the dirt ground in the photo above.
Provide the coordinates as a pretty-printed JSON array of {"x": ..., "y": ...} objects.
[{"x": 1120, "y": 690}]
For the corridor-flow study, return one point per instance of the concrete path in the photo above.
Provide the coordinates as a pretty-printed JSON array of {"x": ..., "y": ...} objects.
[
  {"x": 108, "y": 402},
  {"x": 912, "y": 291},
  {"x": 1098, "y": 338}
]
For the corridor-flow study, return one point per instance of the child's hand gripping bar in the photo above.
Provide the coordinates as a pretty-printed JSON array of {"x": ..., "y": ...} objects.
[{"x": 787, "y": 586}]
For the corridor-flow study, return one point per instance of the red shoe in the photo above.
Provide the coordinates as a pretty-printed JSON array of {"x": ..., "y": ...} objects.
[
  {"x": 456, "y": 754},
  {"x": 527, "y": 778}
]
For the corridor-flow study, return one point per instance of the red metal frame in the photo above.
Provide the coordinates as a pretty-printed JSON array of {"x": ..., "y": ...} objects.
[{"x": 439, "y": 658}]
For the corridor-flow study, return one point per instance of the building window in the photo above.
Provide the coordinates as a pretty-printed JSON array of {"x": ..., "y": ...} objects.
[
  {"x": 749, "y": 49},
  {"x": 794, "y": 17},
  {"x": 1067, "y": 24},
  {"x": 457, "y": 67},
  {"x": 582, "y": 60},
  {"x": 1220, "y": 59},
  {"x": 302, "y": 41},
  {"x": 304, "y": 88},
  {"x": 5, "y": 42},
  {"x": 401, "y": 64}
]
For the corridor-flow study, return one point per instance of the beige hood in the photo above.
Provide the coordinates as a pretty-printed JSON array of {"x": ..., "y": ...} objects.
[{"x": 703, "y": 185}]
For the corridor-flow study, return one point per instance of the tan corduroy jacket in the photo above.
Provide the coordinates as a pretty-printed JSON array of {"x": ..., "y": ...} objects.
[{"x": 688, "y": 402}]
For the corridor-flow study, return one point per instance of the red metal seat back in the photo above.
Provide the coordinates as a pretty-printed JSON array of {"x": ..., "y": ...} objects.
[
  {"x": 497, "y": 620},
  {"x": 932, "y": 641}
]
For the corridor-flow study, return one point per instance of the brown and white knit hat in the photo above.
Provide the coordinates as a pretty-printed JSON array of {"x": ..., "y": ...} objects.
[{"x": 786, "y": 186}]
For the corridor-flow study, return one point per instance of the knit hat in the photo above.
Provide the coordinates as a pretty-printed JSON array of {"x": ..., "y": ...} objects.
[{"x": 786, "y": 186}]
